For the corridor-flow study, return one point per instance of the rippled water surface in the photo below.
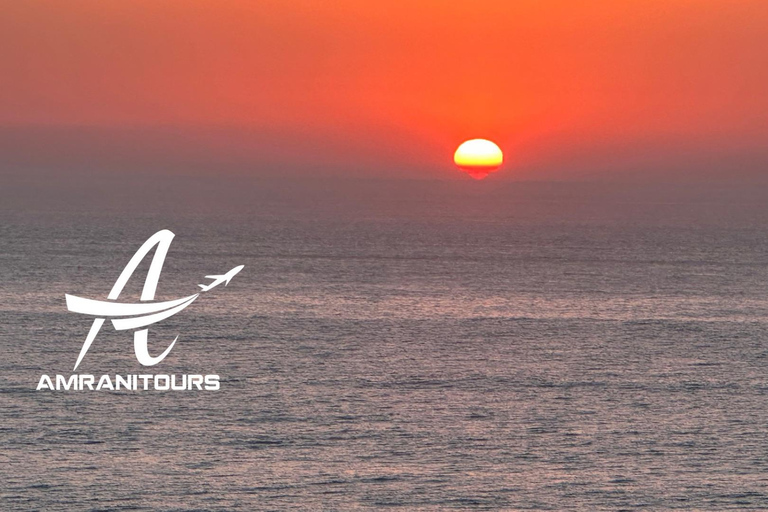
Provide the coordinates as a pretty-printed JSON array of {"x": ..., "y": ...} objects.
[{"x": 418, "y": 350}]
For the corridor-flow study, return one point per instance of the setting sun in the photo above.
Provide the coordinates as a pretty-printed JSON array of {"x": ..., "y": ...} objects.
[{"x": 478, "y": 157}]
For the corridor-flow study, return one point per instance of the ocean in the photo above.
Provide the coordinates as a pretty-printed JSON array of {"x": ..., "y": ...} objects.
[{"x": 393, "y": 345}]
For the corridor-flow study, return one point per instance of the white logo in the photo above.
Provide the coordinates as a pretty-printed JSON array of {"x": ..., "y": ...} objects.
[{"x": 138, "y": 316}]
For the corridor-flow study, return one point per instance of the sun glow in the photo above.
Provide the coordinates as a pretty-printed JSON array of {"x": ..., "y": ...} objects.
[{"x": 478, "y": 157}]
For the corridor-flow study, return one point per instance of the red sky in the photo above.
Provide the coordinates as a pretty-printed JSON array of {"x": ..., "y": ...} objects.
[{"x": 566, "y": 88}]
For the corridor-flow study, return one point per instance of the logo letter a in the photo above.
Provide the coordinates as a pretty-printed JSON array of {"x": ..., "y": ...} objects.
[{"x": 162, "y": 239}]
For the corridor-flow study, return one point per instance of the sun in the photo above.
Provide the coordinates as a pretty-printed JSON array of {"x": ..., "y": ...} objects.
[{"x": 478, "y": 157}]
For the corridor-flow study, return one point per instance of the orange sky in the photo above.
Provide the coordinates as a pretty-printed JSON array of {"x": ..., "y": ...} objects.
[{"x": 566, "y": 88}]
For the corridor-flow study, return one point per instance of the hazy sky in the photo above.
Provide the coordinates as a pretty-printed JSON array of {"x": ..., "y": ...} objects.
[{"x": 566, "y": 88}]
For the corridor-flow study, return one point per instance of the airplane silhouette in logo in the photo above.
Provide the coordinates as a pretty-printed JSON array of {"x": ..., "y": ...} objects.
[{"x": 224, "y": 278}]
